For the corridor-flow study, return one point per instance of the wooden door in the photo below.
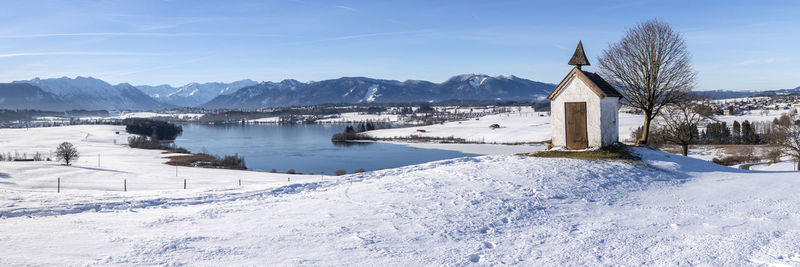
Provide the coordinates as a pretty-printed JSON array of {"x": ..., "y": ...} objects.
[{"x": 575, "y": 112}]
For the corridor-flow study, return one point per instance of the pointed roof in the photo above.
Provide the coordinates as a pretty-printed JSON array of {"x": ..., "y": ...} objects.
[
  {"x": 597, "y": 84},
  {"x": 579, "y": 57}
]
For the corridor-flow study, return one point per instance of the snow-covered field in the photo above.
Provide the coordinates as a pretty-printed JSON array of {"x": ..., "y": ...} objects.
[
  {"x": 143, "y": 169},
  {"x": 525, "y": 126},
  {"x": 351, "y": 117},
  {"x": 752, "y": 116},
  {"x": 490, "y": 210},
  {"x": 179, "y": 116}
]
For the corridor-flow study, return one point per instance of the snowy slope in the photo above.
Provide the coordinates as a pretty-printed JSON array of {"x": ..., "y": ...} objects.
[
  {"x": 488, "y": 210},
  {"x": 193, "y": 94},
  {"x": 525, "y": 126},
  {"x": 93, "y": 94}
]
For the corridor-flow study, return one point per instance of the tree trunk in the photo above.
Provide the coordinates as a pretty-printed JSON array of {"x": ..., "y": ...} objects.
[
  {"x": 798, "y": 163},
  {"x": 685, "y": 149},
  {"x": 645, "y": 130}
]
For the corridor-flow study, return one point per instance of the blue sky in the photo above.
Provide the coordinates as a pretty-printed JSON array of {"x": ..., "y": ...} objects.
[{"x": 739, "y": 45}]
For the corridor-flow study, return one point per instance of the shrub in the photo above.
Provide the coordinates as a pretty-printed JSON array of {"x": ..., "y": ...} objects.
[
  {"x": 232, "y": 162},
  {"x": 208, "y": 161},
  {"x": 774, "y": 155},
  {"x": 178, "y": 150},
  {"x": 359, "y": 170},
  {"x": 730, "y": 160},
  {"x": 340, "y": 172},
  {"x": 144, "y": 143},
  {"x": 291, "y": 171},
  {"x": 273, "y": 171}
]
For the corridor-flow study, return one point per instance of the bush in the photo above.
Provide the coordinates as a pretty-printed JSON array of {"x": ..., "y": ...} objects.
[
  {"x": 144, "y": 143},
  {"x": 774, "y": 155},
  {"x": 359, "y": 170},
  {"x": 160, "y": 130},
  {"x": 178, "y": 150},
  {"x": 291, "y": 171},
  {"x": 234, "y": 162},
  {"x": 730, "y": 160},
  {"x": 340, "y": 172}
]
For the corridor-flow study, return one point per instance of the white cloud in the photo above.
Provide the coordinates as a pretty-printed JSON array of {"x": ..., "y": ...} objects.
[
  {"x": 761, "y": 61},
  {"x": 78, "y": 53},
  {"x": 347, "y": 8}
]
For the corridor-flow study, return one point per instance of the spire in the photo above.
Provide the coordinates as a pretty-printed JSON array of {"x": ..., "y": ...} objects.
[{"x": 579, "y": 58}]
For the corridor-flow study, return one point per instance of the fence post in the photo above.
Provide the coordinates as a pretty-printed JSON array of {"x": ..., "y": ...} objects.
[
  {"x": 125, "y": 185},
  {"x": 184, "y": 183},
  {"x": 59, "y": 185},
  {"x": 240, "y": 182}
]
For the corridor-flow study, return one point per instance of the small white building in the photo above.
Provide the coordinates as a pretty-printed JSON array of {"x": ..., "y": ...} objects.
[{"x": 584, "y": 108}]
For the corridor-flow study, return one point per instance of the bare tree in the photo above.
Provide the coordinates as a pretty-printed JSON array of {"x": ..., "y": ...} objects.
[
  {"x": 67, "y": 152},
  {"x": 650, "y": 67},
  {"x": 786, "y": 134},
  {"x": 680, "y": 122}
]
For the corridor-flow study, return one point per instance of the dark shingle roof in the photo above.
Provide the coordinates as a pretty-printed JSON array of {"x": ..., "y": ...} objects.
[
  {"x": 579, "y": 57},
  {"x": 601, "y": 83}
]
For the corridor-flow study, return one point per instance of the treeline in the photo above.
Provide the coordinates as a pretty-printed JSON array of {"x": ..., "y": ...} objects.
[
  {"x": 156, "y": 129},
  {"x": 352, "y": 133},
  {"x": 234, "y": 162},
  {"x": 722, "y": 133},
  {"x": 30, "y": 114}
]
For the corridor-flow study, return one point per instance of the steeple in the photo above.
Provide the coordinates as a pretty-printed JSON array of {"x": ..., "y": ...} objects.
[{"x": 579, "y": 58}]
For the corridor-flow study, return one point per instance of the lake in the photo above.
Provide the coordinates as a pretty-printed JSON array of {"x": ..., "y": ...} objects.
[{"x": 304, "y": 148}]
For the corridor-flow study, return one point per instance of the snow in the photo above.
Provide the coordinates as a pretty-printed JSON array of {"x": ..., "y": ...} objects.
[
  {"x": 480, "y": 149},
  {"x": 525, "y": 126},
  {"x": 143, "y": 169},
  {"x": 350, "y": 117},
  {"x": 371, "y": 95},
  {"x": 489, "y": 210},
  {"x": 752, "y": 116},
  {"x": 181, "y": 116}
]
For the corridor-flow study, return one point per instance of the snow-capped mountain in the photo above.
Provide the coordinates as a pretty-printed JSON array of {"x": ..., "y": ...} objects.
[
  {"x": 368, "y": 90},
  {"x": 91, "y": 93},
  {"x": 193, "y": 94},
  {"x": 28, "y": 96}
]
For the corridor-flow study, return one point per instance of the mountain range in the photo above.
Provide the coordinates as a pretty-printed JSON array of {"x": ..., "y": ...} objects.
[
  {"x": 192, "y": 94},
  {"x": 89, "y": 93},
  {"x": 354, "y": 90}
]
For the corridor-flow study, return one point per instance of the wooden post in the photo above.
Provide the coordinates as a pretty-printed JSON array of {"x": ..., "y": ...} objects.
[
  {"x": 59, "y": 185},
  {"x": 125, "y": 185},
  {"x": 240, "y": 182},
  {"x": 184, "y": 183}
]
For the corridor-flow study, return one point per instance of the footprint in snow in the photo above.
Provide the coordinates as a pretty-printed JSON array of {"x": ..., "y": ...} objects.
[
  {"x": 488, "y": 244},
  {"x": 474, "y": 258}
]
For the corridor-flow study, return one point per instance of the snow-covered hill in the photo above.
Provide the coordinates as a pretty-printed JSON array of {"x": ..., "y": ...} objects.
[
  {"x": 490, "y": 210},
  {"x": 193, "y": 94},
  {"x": 28, "y": 96},
  {"x": 90, "y": 93}
]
